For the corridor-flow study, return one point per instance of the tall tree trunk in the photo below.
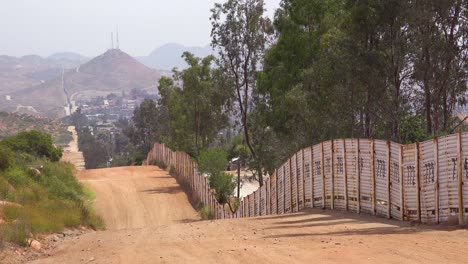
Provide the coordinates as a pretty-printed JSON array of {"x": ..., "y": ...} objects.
[{"x": 427, "y": 90}]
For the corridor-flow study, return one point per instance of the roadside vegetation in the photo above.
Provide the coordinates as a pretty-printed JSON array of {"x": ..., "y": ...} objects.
[
  {"x": 13, "y": 123},
  {"x": 38, "y": 193}
]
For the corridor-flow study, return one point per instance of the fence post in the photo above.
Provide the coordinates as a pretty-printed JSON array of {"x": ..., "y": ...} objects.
[
  {"x": 436, "y": 172},
  {"x": 322, "y": 167},
  {"x": 358, "y": 162},
  {"x": 460, "y": 181},
  {"x": 311, "y": 173},
  {"x": 303, "y": 182},
  {"x": 373, "y": 176},
  {"x": 297, "y": 185},
  {"x": 389, "y": 197},
  {"x": 345, "y": 169},
  {"x": 290, "y": 187},
  {"x": 402, "y": 186},
  {"x": 418, "y": 185},
  {"x": 276, "y": 190},
  {"x": 332, "y": 167}
]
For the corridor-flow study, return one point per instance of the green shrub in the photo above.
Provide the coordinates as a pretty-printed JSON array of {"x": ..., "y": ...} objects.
[
  {"x": 34, "y": 142},
  {"x": 212, "y": 161},
  {"x": 158, "y": 163},
  {"x": 224, "y": 186},
  {"x": 6, "y": 158},
  {"x": 207, "y": 213},
  {"x": 16, "y": 232},
  {"x": 172, "y": 170}
]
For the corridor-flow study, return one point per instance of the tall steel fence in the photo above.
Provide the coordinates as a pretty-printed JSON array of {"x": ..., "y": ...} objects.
[{"x": 426, "y": 182}]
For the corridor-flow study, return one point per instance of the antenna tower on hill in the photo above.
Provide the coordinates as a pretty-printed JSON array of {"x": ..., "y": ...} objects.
[
  {"x": 117, "y": 32},
  {"x": 112, "y": 40}
]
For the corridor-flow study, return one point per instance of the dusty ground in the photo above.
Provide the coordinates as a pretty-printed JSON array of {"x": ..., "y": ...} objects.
[
  {"x": 151, "y": 221},
  {"x": 72, "y": 154}
]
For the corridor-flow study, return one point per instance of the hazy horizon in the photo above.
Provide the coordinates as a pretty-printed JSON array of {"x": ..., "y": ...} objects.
[{"x": 53, "y": 26}]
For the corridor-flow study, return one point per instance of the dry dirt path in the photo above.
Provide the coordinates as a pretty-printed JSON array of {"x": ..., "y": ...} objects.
[
  {"x": 151, "y": 221},
  {"x": 71, "y": 153}
]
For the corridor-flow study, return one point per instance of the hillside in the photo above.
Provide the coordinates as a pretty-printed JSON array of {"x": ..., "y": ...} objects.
[
  {"x": 110, "y": 72},
  {"x": 168, "y": 56},
  {"x": 20, "y": 73},
  {"x": 12, "y": 124}
]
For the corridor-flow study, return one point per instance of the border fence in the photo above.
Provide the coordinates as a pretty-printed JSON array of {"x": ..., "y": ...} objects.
[{"x": 425, "y": 182}]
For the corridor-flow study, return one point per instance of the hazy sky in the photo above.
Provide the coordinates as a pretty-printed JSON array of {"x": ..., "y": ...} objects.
[{"x": 44, "y": 27}]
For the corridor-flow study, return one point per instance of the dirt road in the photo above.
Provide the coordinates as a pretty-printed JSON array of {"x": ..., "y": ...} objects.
[
  {"x": 151, "y": 221},
  {"x": 71, "y": 153}
]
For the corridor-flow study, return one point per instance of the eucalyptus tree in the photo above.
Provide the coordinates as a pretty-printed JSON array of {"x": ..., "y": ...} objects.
[{"x": 240, "y": 33}]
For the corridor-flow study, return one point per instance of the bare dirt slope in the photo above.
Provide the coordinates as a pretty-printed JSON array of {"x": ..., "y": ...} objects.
[
  {"x": 138, "y": 197},
  {"x": 71, "y": 153},
  {"x": 151, "y": 221}
]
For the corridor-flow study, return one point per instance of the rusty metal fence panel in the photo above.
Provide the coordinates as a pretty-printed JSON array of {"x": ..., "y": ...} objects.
[
  {"x": 366, "y": 181},
  {"x": 351, "y": 163},
  {"x": 300, "y": 180},
  {"x": 328, "y": 173},
  {"x": 396, "y": 193},
  {"x": 287, "y": 187},
  {"x": 318, "y": 182},
  {"x": 339, "y": 186},
  {"x": 293, "y": 181}
]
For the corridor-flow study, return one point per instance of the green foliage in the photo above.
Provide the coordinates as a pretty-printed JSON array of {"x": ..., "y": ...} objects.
[
  {"x": 192, "y": 115},
  {"x": 42, "y": 202},
  {"x": 207, "y": 213},
  {"x": 145, "y": 130},
  {"x": 6, "y": 158},
  {"x": 212, "y": 161},
  {"x": 158, "y": 163},
  {"x": 34, "y": 143},
  {"x": 224, "y": 185},
  {"x": 172, "y": 170}
]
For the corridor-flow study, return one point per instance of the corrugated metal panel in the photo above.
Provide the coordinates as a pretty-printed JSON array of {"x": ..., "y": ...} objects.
[
  {"x": 427, "y": 181},
  {"x": 300, "y": 180},
  {"x": 464, "y": 138},
  {"x": 293, "y": 177},
  {"x": 395, "y": 181},
  {"x": 317, "y": 176},
  {"x": 448, "y": 178},
  {"x": 280, "y": 187},
  {"x": 381, "y": 177},
  {"x": 252, "y": 205},
  {"x": 339, "y": 175},
  {"x": 257, "y": 202},
  {"x": 246, "y": 206},
  {"x": 308, "y": 177},
  {"x": 351, "y": 146},
  {"x": 263, "y": 200},
  {"x": 365, "y": 163},
  {"x": 274, "y": 194},
  {"x": 410, "y": 189},
  {"x": 287, "y": 188},
  {"x": 327, "y": 153},
  {"x": 267, "y": 197}
]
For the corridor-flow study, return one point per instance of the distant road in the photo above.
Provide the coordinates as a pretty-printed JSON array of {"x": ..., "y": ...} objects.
[{"x": 71, "y": 153}]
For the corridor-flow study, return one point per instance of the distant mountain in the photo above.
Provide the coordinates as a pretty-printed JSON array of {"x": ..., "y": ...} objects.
[
  {"x": 71, "y": 56},
  {"x": 111, "y": 72},
  {"x": 168, "y": 56},
  {"x": 20, "y": 73},
  {"x": 68, "y": 59}
]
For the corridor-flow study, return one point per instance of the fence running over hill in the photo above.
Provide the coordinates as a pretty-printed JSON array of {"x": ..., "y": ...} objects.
[{"x": 426, "y": 182}]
